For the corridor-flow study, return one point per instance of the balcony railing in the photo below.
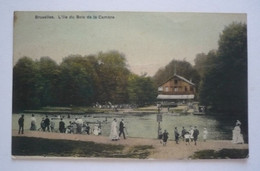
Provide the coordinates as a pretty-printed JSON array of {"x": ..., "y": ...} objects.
[{"x": 176, "y": 93}]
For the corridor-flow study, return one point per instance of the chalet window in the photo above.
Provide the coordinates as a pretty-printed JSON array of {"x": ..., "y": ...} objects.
[
  {"x": 186, "y": 88},
  {"x": 166, "y": 89},
  {"x": 175, "y": 81},
  {"x": 175, "y": 89},
  {"x": 191, "y": 88},
  {"x": 160, "y": 88}
]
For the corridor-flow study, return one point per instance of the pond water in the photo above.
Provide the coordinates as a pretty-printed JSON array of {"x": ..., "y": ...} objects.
[{"x": 144, "y": 125}]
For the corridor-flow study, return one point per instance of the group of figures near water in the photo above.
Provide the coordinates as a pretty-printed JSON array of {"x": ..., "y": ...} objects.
[
  {"x": 192, "y": 134},
  {"x": 186, "y": 135},
  {"x": 78, "y": 126},
  {"x": 114, "y": 135},
  {"x": 74, "y": 127}
]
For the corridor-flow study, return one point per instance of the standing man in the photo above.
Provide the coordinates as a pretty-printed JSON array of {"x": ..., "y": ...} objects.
[
  {"x": 121, "y": 128},
  {"x": 47, "y": 123},
  {"x": 42, "y": 124},
  {"x": 195, "y": 135},
  {"x": 87, "y": 128},
  {"x": 61, "y": 126},
  {"x": 183, "y": 132},
  {"x": 165, "y": 137},
  {"x": 176, "y": 133},
  {"x": 21, "y": 122}
]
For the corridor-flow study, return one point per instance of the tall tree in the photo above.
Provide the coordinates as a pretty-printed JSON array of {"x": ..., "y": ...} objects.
[
  {"x": 94, "y": 72},
  {"x": 203, "y": 64},
  {"x": 25, "y": 92},
  {"x": 113, "y": 74},
  {"x": 48, "y": 81},
  {"x": 224, "y": 87},
  {"x": 141, "y": 90},
  {"x": 76, "y": 84}
]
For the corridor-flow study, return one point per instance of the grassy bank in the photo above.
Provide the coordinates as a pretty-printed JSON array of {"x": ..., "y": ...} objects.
[
  {"x": 28, "y": 146},
  {"x": 222, "y": 154}
]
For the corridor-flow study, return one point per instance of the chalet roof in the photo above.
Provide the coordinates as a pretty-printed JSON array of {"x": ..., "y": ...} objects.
[{"x": 181, "y": 78}]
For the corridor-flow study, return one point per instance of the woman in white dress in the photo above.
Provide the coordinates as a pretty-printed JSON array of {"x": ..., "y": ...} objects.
[
  {"x": 96, "y": 130},
  {"x": 205, "y": 134},
  {"x": 113, "y": 132},
  {"x": 33, "y": 123},
  {"x": 237, "y": 136},
  {"x": 191, "y": 134}
]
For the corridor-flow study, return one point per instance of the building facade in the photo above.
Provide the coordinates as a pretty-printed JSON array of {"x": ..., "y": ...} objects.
[{"x": 176, "y": 89}]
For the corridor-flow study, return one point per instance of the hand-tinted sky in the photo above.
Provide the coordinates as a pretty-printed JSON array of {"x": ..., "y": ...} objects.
[{"x": 148, "y": 40}]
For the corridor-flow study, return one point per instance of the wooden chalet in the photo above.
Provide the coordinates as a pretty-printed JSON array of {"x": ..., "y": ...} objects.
[{"x": 176, "y": 89}]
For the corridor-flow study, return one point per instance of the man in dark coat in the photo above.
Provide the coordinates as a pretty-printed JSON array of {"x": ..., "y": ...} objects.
[
  {"x": 165, "y": 137},
  {"x": 195, "y": 135},
  {"x": 183, "y": 132},
  {"x": 62, "y": 126},
  {"x": 47, "y": 123},
  {"x": 121, "y": 128},
  {"x": 21, "y": 123},
  {"x": 87, "y": 128},
  {"x": 176, "y": 134},
  {"x": 42, "y": 125}
]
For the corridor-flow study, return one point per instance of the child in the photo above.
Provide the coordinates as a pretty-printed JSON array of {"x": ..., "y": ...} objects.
[{"x": 187, "y": 137}]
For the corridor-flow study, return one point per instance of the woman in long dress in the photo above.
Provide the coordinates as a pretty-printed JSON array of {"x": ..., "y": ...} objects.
[
  {"x": 205, "y": 134},
  {"x": 33, "y": 123},
  {"x": 97, "y": 130},
  {"x": 191, "y": 134},
  {"x": 237, "y": 136},
  {"x": 113, "y": 132}
]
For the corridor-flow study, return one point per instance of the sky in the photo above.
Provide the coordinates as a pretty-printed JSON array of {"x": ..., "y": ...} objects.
[{"x": 148, "y": 40}]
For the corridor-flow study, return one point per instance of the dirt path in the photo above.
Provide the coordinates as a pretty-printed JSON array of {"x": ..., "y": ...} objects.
[{"x": 170, "y": 151}]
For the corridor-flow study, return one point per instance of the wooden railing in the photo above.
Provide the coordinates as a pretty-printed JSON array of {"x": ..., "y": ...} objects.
[{"x": 177, "y": 93}]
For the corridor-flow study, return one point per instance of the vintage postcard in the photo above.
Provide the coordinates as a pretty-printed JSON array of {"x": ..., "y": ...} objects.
[{"x": 130, "y": 85}]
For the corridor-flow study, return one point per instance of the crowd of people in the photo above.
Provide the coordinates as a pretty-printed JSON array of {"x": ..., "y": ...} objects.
[
  {"x": 188, "y": 136},
  {"x": 74, "y": 127},
  {"x": 48, "y": 125},
  {"x": 78, "y": 127},
  {"x": 192, "y": 134}
]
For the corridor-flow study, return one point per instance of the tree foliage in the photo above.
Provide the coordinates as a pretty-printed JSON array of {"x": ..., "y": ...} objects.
[
  {"x": 224, "y": 85},
  {"x": 141, "y": 89},
  {"x": 78, "y": 81},
  {"x": 25, "y": 92},
  {"x": 113, "y": 74},
  {"x": 47, "y": 81}
]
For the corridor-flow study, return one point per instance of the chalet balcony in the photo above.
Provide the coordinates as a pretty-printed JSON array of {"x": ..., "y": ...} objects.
[{"x": 176, "y": 93}]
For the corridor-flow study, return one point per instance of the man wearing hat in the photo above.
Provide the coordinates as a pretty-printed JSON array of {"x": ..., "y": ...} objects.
[{"x": 20, "y": 122}]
